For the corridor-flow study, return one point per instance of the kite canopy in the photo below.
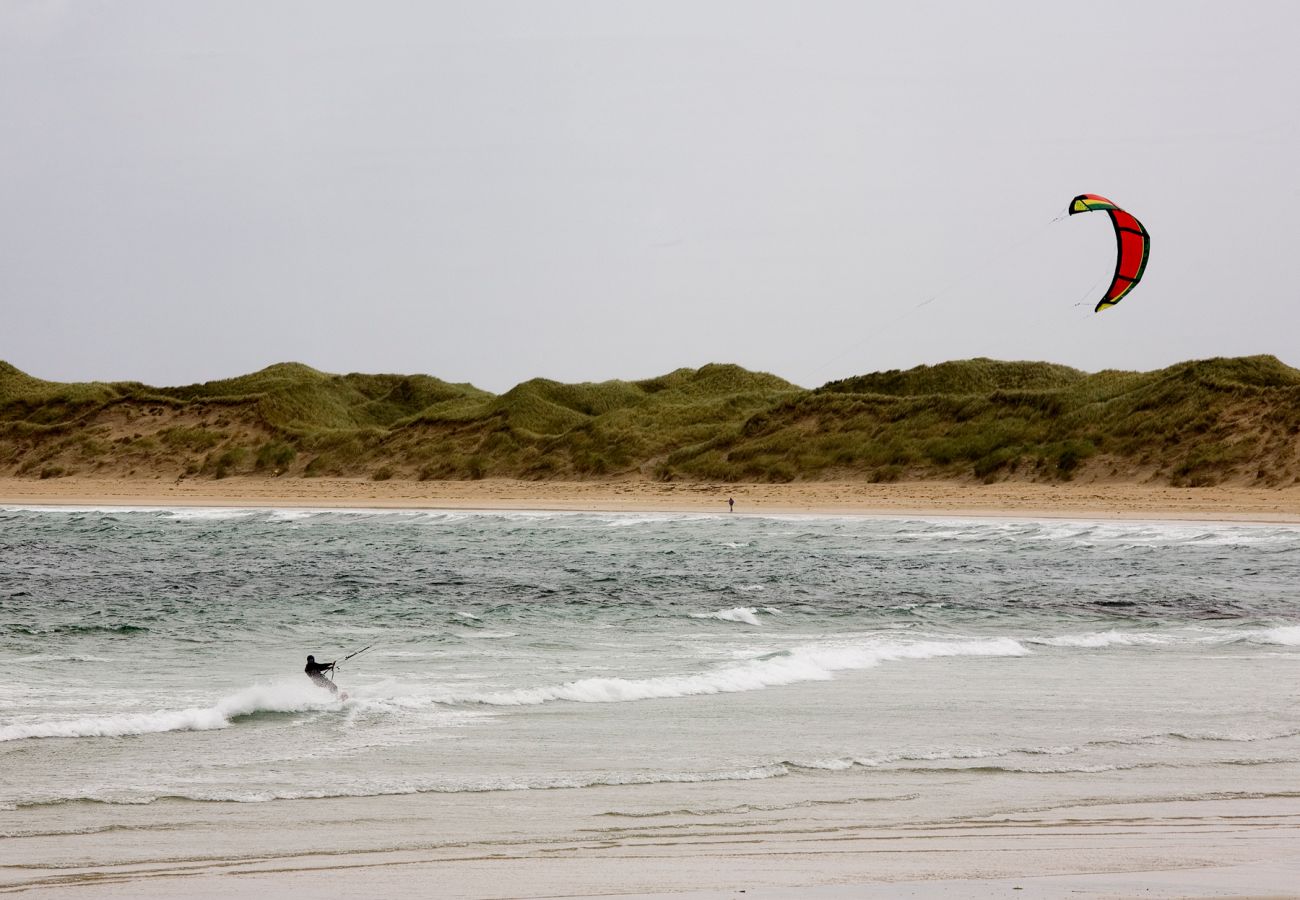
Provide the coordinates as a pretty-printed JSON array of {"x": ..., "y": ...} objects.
[{"x": 1133, "y": 245}]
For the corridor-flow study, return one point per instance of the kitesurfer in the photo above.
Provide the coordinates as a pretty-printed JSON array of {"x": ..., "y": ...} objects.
[{"x": 316, "y": 672}]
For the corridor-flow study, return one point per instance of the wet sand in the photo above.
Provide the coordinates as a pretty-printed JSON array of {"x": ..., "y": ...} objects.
[{"x": 1207, "y": 848}]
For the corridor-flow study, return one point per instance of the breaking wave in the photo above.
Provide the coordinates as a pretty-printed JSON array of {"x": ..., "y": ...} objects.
[
  {"x": 279, "y": 697},
  {"x": 816, "y": 662},
  {"x": 747, "y": 615},
  {"x": 1286, "y": 635},
  {"x": 1101, "y": 639}
]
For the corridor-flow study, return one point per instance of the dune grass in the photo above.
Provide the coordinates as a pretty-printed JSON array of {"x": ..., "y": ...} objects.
[{"x": 1195, "y": 423}]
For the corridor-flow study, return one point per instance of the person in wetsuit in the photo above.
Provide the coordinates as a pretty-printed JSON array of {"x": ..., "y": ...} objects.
[{"x": 316, "y": 672}]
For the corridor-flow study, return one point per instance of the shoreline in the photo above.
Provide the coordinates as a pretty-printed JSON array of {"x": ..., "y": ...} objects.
[{"x": 928, "y": 498}]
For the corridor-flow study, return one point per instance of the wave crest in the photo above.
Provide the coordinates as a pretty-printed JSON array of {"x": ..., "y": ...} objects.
[
  {"x": 1286, "y": 635},
  {"x": 281, "y": 697},
  {"x": 810, "y": 663},
  {"x": 745, "y": 614},
  {"x": 1097, "y": 639}
]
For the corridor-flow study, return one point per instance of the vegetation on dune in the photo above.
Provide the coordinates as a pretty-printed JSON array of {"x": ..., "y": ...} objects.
[
  {"x": 1195, "y": 423},
  {"x": 972, "y": 376},
  {"x": 293, "y": 396}
]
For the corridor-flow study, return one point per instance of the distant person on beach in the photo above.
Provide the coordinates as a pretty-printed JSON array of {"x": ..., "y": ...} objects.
[
  {"x": 316, "y": 672},
  {"x": 731, "y": 504}
]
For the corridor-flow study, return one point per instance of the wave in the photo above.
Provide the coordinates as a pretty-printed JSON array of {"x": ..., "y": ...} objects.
[
  {"x": 1236, "y": 737},
  {"x": 840, "y": 763},
  {"x": 747, "y": 615},
  {"x": 1100, "y": 639},
  {"x": 431, "y": 786},
  {"x": 817, "y": 662},
  {"x": 1286, "y": 635},
  {"x": 279, "y": 697},
  {"x": 1123, "y": 767},
  {"x": 577, "y": 781},
  {"x": 1011, "y": 768},
  {"x": 74, "y": 628},
  {"x": 749, "y": 808},
  {"x": 51, "y": 657},
  {"x": 1283, "y": 635}
]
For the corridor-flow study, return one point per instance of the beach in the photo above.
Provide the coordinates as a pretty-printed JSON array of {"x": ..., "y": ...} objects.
[
  {"x": 625, "y": 690},
  {"x": 1211, "y": 848},
  {"x": 1092, "y": 500}
]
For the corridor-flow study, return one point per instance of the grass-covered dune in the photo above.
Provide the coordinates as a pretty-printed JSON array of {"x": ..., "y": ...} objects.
[{"x": 1196, "y": 423}]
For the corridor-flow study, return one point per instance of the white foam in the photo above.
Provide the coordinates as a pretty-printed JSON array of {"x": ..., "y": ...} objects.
[
  {"x": 1073, "y": 770},
  {"x": 385, "y": 787},
  {"x": 1286, "y": 635},
  {"x": 276, "y": 697},
  {"x": 1101, "y": 639},
  {"x": 1227, "y": 736},
  {"x": 210, "y": 513},
  {"x": 816, "y": 662},
  {"x": 835, "y": 764},
  {"x": 746, "y": 614}
]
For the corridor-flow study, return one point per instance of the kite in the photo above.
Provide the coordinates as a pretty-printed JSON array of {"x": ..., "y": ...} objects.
[{"x": 1133, "y": 245}]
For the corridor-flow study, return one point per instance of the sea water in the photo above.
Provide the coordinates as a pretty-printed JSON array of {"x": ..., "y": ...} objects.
[{"x": 653, "y": 665}]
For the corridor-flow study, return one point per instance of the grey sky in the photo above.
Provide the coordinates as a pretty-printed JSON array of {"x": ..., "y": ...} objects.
[{"x": 490, "y": 191}]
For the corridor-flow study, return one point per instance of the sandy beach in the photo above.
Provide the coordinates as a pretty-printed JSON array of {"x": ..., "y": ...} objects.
[
  {"x": 1210, "y": 848},
  {"x": 1066, "y": 500}
]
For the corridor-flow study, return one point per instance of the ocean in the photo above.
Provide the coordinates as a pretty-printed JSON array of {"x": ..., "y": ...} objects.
[{"x": 556, "y": 676}]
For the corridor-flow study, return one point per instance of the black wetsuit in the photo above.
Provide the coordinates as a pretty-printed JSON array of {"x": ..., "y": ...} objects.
[{"x": 316, "y": 672}]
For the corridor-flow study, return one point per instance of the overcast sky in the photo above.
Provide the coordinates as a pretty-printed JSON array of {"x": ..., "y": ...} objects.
[{"x": 491, "y": 191}]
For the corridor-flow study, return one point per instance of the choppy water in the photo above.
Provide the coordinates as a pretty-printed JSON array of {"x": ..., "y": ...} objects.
[{"x": 158, "y": 654}]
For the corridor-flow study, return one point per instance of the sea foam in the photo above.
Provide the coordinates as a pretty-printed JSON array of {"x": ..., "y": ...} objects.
[
  {"x": 1286, "y": 635},
  {"x": 815, "y": 662},
  {"x": 371, "y": 787},
  {"x": 746, "y": 614},
  {"x": 1097, "y": 639},
  {"x": 275, "y": 697}
]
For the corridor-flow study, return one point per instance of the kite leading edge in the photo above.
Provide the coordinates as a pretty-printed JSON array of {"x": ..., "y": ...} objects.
[{"x": 1133, "y": 245}]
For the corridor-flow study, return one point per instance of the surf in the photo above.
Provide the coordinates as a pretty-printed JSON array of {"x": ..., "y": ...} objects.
[
  {"x": 275, "y": 697},
  {"x": 815, "y": 662}
]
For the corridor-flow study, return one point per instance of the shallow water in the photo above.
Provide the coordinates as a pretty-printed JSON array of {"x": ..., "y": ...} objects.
[{"x": 911, "y": 669}]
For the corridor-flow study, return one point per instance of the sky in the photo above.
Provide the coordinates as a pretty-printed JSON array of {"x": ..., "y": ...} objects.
[{"x": 494, "y": 191}]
